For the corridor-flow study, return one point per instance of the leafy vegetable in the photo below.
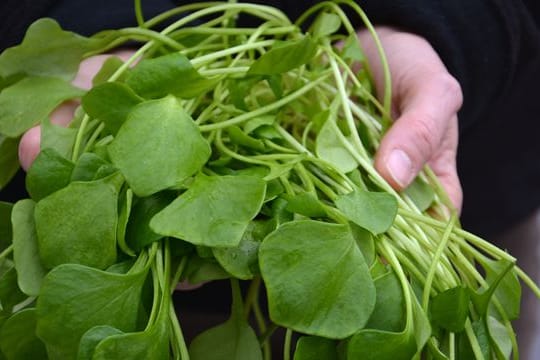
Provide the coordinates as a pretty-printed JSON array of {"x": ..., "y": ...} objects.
[
  {"x": 77, "y": 224},
  {"x": 19, "y": 112},
  {"x": 215, "y": 211},
  {"x": 97, "y": 297},
  {"x": 174, "y": 152},
  {"x": 318, "y": 282},
  {"x": 240, "y": 153},
  {"x": 25, "y": 248}
]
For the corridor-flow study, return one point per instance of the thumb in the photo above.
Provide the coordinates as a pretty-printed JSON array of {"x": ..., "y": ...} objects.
[{"x": 425, "y": 131}]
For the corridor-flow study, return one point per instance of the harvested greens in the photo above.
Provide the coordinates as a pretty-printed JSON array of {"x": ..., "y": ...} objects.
[{"x": 227, "y": 152}]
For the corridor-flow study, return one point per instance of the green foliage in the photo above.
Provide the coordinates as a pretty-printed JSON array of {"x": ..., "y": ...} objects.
[
  {"x": 284, "y": 57},
  {"x": 46, "y": 50},
  {"x": 110, "y": 102},
  {"x": 96, "y": 297},
  {"x": 225, "y": 152},
  {"x": 315, "y": 348},
  {"x": 19, "y": 112},
  {"x": 49, "y": 173},
  {"x": 77, "y": 224},
  {"x": 175, "y": 151},
  {"x": 168, "y": 74},
  {"x": 30, "y": 270},
  {"x": 9, "y": 160},
  {"x": 318, "y": 282},
  {"x": 215, "y": 211},
  {"x": 18, "y": 340},
  {"x": 373, "y": 211}
]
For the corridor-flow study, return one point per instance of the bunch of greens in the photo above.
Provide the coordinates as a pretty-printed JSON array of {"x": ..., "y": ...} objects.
[{"x": 228, "y": 152}]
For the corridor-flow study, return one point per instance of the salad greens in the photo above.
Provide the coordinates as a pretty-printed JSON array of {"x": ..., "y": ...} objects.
[{"x": 219, "y": 151}]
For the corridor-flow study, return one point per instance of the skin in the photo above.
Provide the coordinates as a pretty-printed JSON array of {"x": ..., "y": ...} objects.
[{"x": 426, "y": 99}]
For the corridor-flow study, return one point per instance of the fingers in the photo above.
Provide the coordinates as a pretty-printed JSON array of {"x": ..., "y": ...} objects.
[
  {"x": 425, "y": 132},
  {"x": 426, "y": 99},
  {"x": 418, "y": 133}
]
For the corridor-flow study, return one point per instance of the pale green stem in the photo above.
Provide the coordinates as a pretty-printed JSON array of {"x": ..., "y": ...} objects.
[
  {"x": 435, "y": 263},
  {"x": 265, "y": 109}
]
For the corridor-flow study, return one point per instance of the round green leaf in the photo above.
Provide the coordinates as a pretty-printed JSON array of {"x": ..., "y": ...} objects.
[
  {"x": 30, "y": 270},
  {"x": 317, "y": 280},
  {"x": 18, "y": 340},
  {"x": 77, "y": 224},
  {"x": 158, "y": 147},
  {"x": 75, "y": 298},
  {"x": 214, "y": 211}
]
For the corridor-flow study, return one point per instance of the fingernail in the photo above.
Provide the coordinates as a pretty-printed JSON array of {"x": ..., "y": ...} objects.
[{"x": 400, "y": 166}]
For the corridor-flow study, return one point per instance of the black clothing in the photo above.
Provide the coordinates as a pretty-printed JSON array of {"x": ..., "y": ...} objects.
[{"x": 491, "y": 46}]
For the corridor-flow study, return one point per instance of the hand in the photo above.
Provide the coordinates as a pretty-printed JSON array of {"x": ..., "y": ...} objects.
[
  {"x": 30, "y": 142},
  {"x": 426, "y": 99}
]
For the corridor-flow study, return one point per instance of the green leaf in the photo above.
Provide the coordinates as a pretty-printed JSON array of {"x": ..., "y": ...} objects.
[
  {"x": 9, "y": 159},
  {"x": 49, "y": 173},
  {"x": 365, "y": 242},
  {"x": 30, "y": 100},
  {"x": 374, "y": 211},
  {"x": 389, "y": 312},
  {"x": 77, "y": 224},
  {"x": 497, "y": 272},
  {"x": 111, "y": 103},
  {"x": 10, "y": 294},
  {"x": 420, "y": 193},
  {"x": 305, "y": 204},
  {"x": 173, "y": 148},
  {"x": 108, "y": 68},
  {"x": 232, "y": 340},
  {"x": 381, "y": 345},
  {"x": 255, "y": 123},
  {"x": 242, "y": 261},
  {"x": 500, "y": 338},
  {"x": 508, "y": 291},
  {"x": 420, "y": 325},
  {"x": 352, "y": 50},
  {"x": 315, "y": 348},
  {"x": 240, "y": 138},
  {"x": 214, "y": 211},
  {"x": 75, "y": 298},
  {"x": 30, "y": 270},
  {"x": 199, "y": 270},
  {"x": 317, "y": 280},
  {"x": 87, "y": 166},
  {"x": 450, "y": 309},
  {"x": 5, "y": 225},
  {"x": 138, "y": 231},
  {"x": 152, "y": 343},
  {"x": 125, "y": 203},
  {"x": 92, "y": 338},
  {"x": 18, "y": 340},
  {"x": 59, "y": 138},
  {"x": 481, "y": 333},
  {"x": 284, "y": 57},
  {"x": 326, "y": 24},
  {"x": 168, "y": 74},
  {"x": 46, "y": 50},
  {"x": 329, "y": 146}
]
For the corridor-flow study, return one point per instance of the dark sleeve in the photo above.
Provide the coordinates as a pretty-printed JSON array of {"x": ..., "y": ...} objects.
[
  {"x": 479, "y": 41},
  {"x": 16, "y": 16}
]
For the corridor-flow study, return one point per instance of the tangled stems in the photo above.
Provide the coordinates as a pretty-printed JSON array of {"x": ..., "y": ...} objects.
[{"x": 417, "y": 246}]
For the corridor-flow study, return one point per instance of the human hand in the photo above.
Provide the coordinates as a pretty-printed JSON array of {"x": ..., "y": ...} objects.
[
  {"x": 29, "y": 145},
  {"x": 425, "y": 102}
]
